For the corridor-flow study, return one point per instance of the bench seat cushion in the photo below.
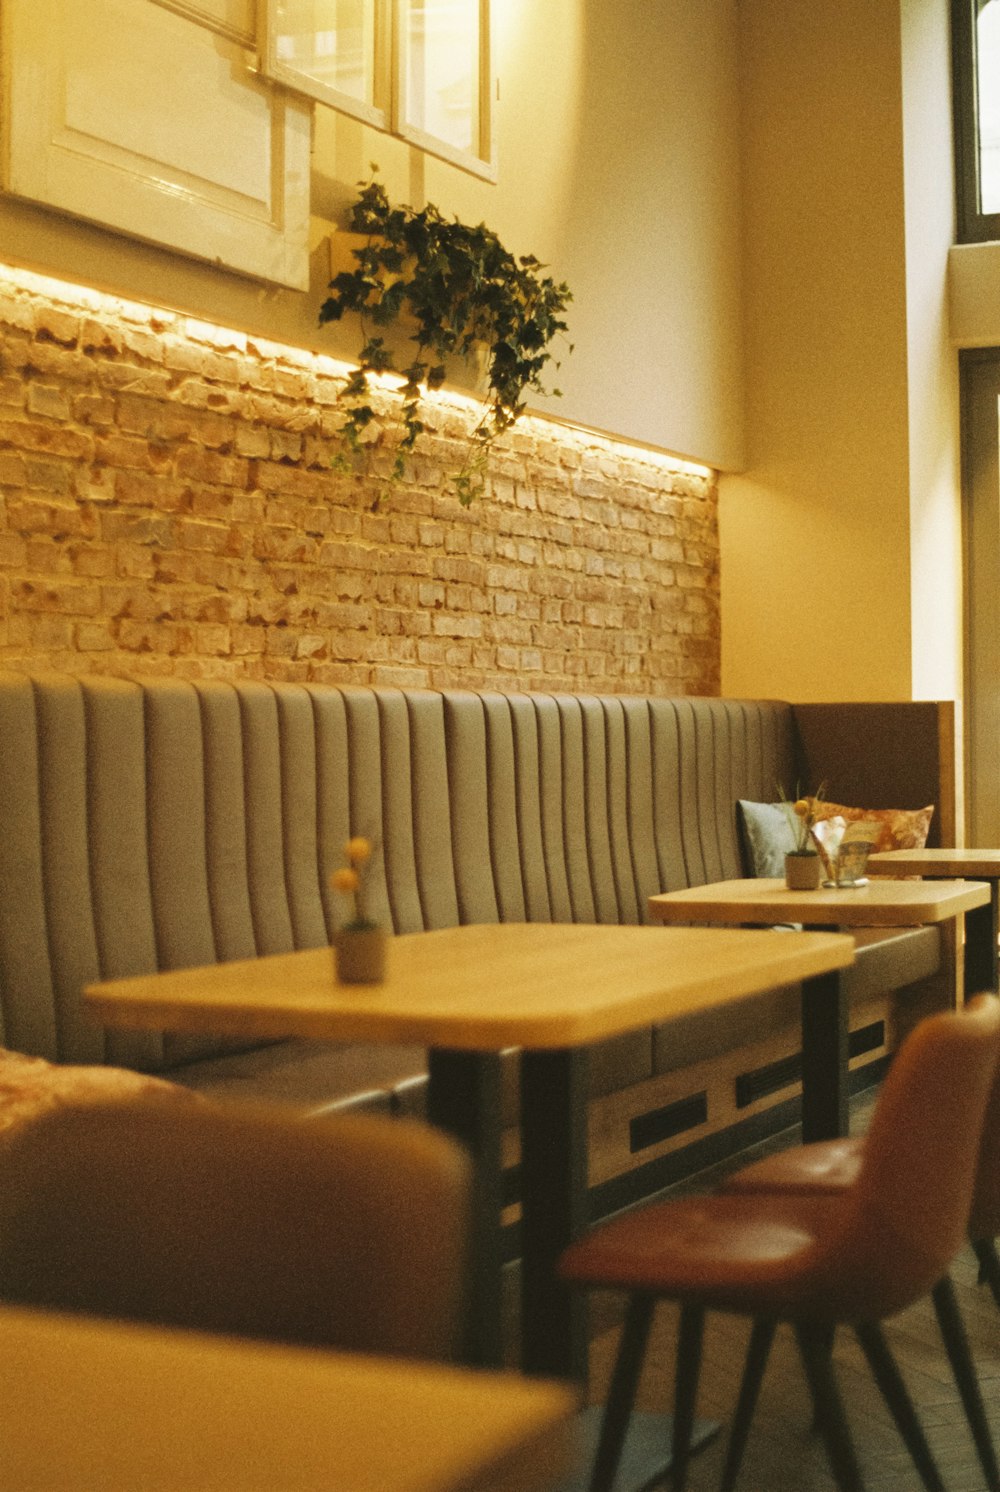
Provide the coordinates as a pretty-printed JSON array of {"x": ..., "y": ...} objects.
[{"x": 309, "y": 1076}]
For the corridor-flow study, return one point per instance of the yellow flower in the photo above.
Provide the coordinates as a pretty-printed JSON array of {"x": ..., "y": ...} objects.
[
  {"x": 358, "y": 849},
  {"x": 345, "y": 879},
  {"x": 802, "y": 807}
]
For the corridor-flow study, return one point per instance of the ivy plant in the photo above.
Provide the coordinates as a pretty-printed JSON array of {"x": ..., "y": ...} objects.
[{"x": 459, "y": 290}]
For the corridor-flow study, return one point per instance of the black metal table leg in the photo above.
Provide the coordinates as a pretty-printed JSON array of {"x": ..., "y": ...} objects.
[
  {"x": 981, "y": 933},
  {"x": 824, "y": 1057},
  {"x": 553, "y": 1209},
  {"x": 464, "y": 1099}
]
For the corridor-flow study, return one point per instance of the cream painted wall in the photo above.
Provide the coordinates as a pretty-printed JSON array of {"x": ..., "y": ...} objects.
[
  {"x": 618, "y": 145},
  {"x": 840, "y": 542}
]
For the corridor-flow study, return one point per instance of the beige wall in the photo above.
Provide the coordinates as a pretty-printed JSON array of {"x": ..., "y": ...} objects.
[
  {"x": 618, "y": 166},
  {"x": 841, "y": 540}
]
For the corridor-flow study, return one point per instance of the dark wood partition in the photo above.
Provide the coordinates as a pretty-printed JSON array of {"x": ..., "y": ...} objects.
[{"x": 884, "y": 755}]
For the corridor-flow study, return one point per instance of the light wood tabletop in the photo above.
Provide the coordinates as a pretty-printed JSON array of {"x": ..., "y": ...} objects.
[
  {"x": 480, "y": 988},
  {"x": 982, "y": 926},
  {"x": 880, "y": 903},
  {"x": 936, "y": 862},
  {"x": 88, "y": 1404}
]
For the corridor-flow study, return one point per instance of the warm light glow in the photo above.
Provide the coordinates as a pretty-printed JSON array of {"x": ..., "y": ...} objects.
[{"x": 178, "y": 324}]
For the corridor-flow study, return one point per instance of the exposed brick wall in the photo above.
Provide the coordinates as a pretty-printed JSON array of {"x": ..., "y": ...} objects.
[{"x": 167, "y": 506}]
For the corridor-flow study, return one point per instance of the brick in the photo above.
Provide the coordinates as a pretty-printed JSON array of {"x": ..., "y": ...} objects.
[
  {"x": 222, "y": 544},
  {"x": 48, "y": 401}
]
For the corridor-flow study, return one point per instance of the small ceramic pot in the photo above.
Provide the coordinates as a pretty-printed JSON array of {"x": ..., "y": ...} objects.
[
  {"x": 360, "y": 955},
  {"x": 803, "y": 871}
]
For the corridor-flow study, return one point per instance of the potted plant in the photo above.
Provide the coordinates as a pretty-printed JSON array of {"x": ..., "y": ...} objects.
[
  {"x": 459, "y": 292},
  {"x": 359, "y": 946},
  {"x": 803, "y": 863}
]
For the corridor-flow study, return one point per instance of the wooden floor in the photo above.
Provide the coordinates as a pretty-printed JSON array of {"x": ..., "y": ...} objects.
[{"x": 784, "y": 1454}]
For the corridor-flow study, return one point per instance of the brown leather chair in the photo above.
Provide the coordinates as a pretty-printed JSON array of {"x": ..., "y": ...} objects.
[
  {"x": 831, "y": 1166},
  {"x": 347, "y": 1232},
  {"x": 854, "y": 1256}
]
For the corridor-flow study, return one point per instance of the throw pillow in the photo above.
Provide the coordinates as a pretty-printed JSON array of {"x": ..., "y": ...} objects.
[
  {"x": 768, "y": 835},
  {"x": 30, "y": 1086},
  {"x": 898, "y": 828}
]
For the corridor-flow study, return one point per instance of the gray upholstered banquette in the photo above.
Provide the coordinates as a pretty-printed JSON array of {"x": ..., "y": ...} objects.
[{"x": 162, "y": 823}]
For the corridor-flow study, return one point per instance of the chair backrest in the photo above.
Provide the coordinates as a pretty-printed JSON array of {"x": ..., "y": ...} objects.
[
  {"x": 984, "y": 1217},
  {"x": 909, "y": 1208},
  {"x": 347, "y": 1232}
]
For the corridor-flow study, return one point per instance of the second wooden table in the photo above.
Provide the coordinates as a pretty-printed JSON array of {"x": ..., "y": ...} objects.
[{"x": 879, "y": 903}]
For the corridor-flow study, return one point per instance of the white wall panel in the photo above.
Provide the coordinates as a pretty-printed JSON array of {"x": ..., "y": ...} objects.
[{"x": 123, "y": 112}]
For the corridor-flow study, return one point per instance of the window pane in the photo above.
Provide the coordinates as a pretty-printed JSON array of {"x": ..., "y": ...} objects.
[
  {"x": 441, "y": 42},
  {"x": 988, "y": 88},
  {"x": 330, "y": 41}
]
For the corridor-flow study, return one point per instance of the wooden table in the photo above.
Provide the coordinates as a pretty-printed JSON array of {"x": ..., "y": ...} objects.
[
  {"x": 466, "y": 993},
  {"x": 87, "y": 1404},
  {"x": 880, "y": 903},
  {"x": 981, "y": 865}
]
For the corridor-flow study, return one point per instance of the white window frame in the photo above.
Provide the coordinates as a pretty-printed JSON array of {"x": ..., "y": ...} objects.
[{"x": 481, "y": 159}]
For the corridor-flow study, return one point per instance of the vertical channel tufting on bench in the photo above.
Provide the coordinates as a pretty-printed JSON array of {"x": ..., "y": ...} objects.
[
  {"x": 439, "y": 823},
  {"x": 225, "y": 820},
  {"x": 540, "y": 903},
  {"x": 118, "y": 840},
  {"x": 27, "y": 994},
  {"x": 177, "y": 841},
  {"x": 551, "y": 797},
  {"x": 575, "y": 806},
  {"x": 601, "y": 877},
  {"x": 667, "y": 788},
  {"x": 333, "y": 796},
  {"x": 501, "y": 807},
  {"x": 474, "y": 879},
  {"x": 299, "y": 814},
  {"x": 65, "y": 864},
  {"x": 704, "y": 717},
  {"x": 365, "y": 802},
  {"x": 175, "y": 807},
  {"x": 641, "y": 806},
  {"x": 396, "y": 758},
  {"x": 272, "y": 918},
  {"x": 620, "y": 819},
  {"x": 568, "y": 762}
]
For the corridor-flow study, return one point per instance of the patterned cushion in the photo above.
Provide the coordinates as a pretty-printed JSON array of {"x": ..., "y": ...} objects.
[
  {"x": 898, "y": 828},
  {"x": 30, "y": 1086},
  {"x": 768, "y": 835}
]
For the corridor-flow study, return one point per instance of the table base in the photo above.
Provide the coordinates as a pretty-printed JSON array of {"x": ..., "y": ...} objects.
[{"x": 646, "y": 1454}]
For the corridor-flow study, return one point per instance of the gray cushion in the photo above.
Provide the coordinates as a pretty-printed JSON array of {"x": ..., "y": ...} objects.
[{"x": 768, "y": 836}]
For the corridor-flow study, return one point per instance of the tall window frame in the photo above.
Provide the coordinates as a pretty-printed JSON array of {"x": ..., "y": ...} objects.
[{"x": 974, "y": 225}]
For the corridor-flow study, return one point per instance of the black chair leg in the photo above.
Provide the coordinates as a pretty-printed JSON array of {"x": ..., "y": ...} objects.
[
  {"x": 758, "y": 1351},
  {"x": 814, "y": 1346},
  {"x": 890, "y": 1382},
  {"x": 688, "y": 1370},
  {"x": 621, "y": 1394},
  {"x": 989, "y": 1265},
  {"x": 956, "y": 1342}
]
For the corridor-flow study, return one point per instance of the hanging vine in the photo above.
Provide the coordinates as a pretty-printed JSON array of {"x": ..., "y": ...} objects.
[{"x": 461, "y": 291}]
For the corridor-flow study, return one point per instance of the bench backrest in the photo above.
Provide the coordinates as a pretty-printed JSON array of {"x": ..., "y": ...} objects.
[{"x": 157, "y": 824}]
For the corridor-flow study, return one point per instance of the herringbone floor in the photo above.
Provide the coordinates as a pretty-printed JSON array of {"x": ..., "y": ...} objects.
[{"x": 784, "y": 1454}]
